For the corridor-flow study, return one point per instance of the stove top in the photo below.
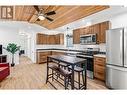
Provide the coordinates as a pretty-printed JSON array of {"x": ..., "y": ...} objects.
[{"x": 87, "y": 53}]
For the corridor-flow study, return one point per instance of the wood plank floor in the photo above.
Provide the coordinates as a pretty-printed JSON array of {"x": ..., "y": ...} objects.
[{"x": 32, "y": 76}]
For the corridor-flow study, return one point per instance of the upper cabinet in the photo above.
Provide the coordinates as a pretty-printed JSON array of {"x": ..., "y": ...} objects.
[
  {"x": 49, "y": 39},
  {"x": 98, "y": 29},
  {"x": 59, "y": 38},
  {"x": 76, "y": 36},
  {"x": 103, "y": 27}
]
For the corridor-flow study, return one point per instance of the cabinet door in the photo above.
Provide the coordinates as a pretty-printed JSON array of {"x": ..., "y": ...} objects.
[
  {"x": 83, "y": 31},
  {"x": 43, "y": 39},
  {"x": 51, "y": 39},
  {"x": 42, "y": 56},
  {"x": 96, "y": 29},
  {"x": 103, "y": 27},
  {"x": 99, "y": 68},
  {"x": 87, "y": 30},
  {"x": 57, "y": 39},
  {"x": 91, "y": 30},
  {"x": 61, "y": 38},
  {"x": 38, "y": 38},
  {"x": 76, "y": 36}
]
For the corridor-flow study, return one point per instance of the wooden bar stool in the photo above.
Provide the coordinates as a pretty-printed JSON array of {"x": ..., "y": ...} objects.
[
  {"x": 79, "y": 70},
  {"x": 57, "y": 70}
]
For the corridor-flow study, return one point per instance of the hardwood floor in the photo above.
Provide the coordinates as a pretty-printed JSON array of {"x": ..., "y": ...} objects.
[{"x": 32, "y": 76}]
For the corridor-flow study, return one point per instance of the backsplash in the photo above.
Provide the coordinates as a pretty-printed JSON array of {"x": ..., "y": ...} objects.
[{"x": 101, "y": 47}]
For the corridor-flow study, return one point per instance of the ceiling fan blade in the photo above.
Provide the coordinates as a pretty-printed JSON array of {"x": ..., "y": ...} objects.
[
  {"x": 38, "y": 19},
  {"x": 50, "y": 13},
  {"x": 37, "y": 9},
  {"x": 50, "y": 19}
]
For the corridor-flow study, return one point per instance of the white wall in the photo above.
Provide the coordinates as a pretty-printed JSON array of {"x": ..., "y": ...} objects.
[
  {"x": 9, "y": 35},
  {"x": 21, "y": 33},
  {"x": 119, "y": 21}
]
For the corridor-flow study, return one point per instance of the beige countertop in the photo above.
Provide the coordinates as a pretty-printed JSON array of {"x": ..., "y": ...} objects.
[
  {"x": 100, "y": 55},
  {"x": 74, "y": 52}
]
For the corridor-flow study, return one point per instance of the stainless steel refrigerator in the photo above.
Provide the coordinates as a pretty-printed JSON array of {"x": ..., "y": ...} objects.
[{"x": 116, "y": 58}]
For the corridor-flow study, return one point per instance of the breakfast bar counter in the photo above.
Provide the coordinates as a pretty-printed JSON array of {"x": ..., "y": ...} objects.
[{"x": 72, "y": 61}]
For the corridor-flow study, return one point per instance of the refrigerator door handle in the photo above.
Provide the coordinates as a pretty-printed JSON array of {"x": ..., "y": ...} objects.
[
  {"x": 121, "y": 45},
  {"x": 125, "y": 47}
]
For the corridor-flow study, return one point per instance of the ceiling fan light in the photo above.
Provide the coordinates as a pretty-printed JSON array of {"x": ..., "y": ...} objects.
[{"x": 41, "y": 17}]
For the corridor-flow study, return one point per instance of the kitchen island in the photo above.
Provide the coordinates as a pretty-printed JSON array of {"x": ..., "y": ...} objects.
[{"x": 72, "y": 61}]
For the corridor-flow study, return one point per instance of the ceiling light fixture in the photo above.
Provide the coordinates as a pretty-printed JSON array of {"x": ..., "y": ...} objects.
[{"x": 41, "y": 17}]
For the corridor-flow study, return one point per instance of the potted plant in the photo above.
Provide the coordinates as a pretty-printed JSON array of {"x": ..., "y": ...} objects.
[{"x": 12, "y": 48}]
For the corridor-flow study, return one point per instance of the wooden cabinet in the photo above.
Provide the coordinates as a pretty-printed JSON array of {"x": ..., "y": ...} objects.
[
  {"x": 59, "y": 39},
  {"x": 49, "y": 39},
  {"x": 76, "y": 36},
  {"x": 57, "y": 53},
  {"x": 38, "y": 38},
  {"x": 98, "y": 29},
  {"x": 41, "y": 38},
  {"x": 103, "y": 27},
  {"x": 42, "y": 56},
  {"x": 3, "y": 58},
  {"x": 99, "y": 68}
]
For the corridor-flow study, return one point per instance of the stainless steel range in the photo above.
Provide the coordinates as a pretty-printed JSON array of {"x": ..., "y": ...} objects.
[{"x": 88, "y": 54}]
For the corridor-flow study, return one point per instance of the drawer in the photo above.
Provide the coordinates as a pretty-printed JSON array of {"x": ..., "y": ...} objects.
[
  {"x": 99, "y": 63},
  {"x": 100, "y": 76},
  {"x": 99, "y": 72},
  {"x": 44, "y": 53},
  {"x": 43, "y": 56},
  {"x": 99, "y": 69},
  {"x": 57, "y": 53},
  {"x": 43, "y": 59},
  {"x": 99, "y": 59}
]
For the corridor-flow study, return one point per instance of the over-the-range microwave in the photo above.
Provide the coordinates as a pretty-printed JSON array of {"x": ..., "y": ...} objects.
[{"x": 88, "y": 39}]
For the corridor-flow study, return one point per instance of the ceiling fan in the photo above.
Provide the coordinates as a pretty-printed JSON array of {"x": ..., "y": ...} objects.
[{"x": 41, "y": 15}]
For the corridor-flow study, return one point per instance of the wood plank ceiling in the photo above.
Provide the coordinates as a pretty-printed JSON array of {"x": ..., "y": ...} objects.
[{"x": 64, "y": 14}]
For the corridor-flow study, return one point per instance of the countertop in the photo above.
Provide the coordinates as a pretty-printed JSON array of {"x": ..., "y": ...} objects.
[
  {"x": 61, "y": 50},
  {"x": 68, "y": 59},
  {"x": 100, "y": 55}
]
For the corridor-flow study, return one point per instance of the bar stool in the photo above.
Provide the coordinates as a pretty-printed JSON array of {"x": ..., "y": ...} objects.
[
  {"x": 63, "y": 65},
  {"x": 57, "y": 70},
  {"x": 79, "y": 70}
]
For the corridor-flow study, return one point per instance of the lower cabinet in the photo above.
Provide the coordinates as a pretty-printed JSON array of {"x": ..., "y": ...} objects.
[
  {"x": 42, "y": 56},
  {"x": 99, "y": 68},
  {"x": 57, "y": 53}
]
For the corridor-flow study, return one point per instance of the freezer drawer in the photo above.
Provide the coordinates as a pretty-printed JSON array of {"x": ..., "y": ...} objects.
[{"x": 116, "y": 77}]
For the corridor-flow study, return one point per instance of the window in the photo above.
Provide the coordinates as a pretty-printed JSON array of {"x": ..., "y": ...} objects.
[{"x": 69, "y": 40}]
